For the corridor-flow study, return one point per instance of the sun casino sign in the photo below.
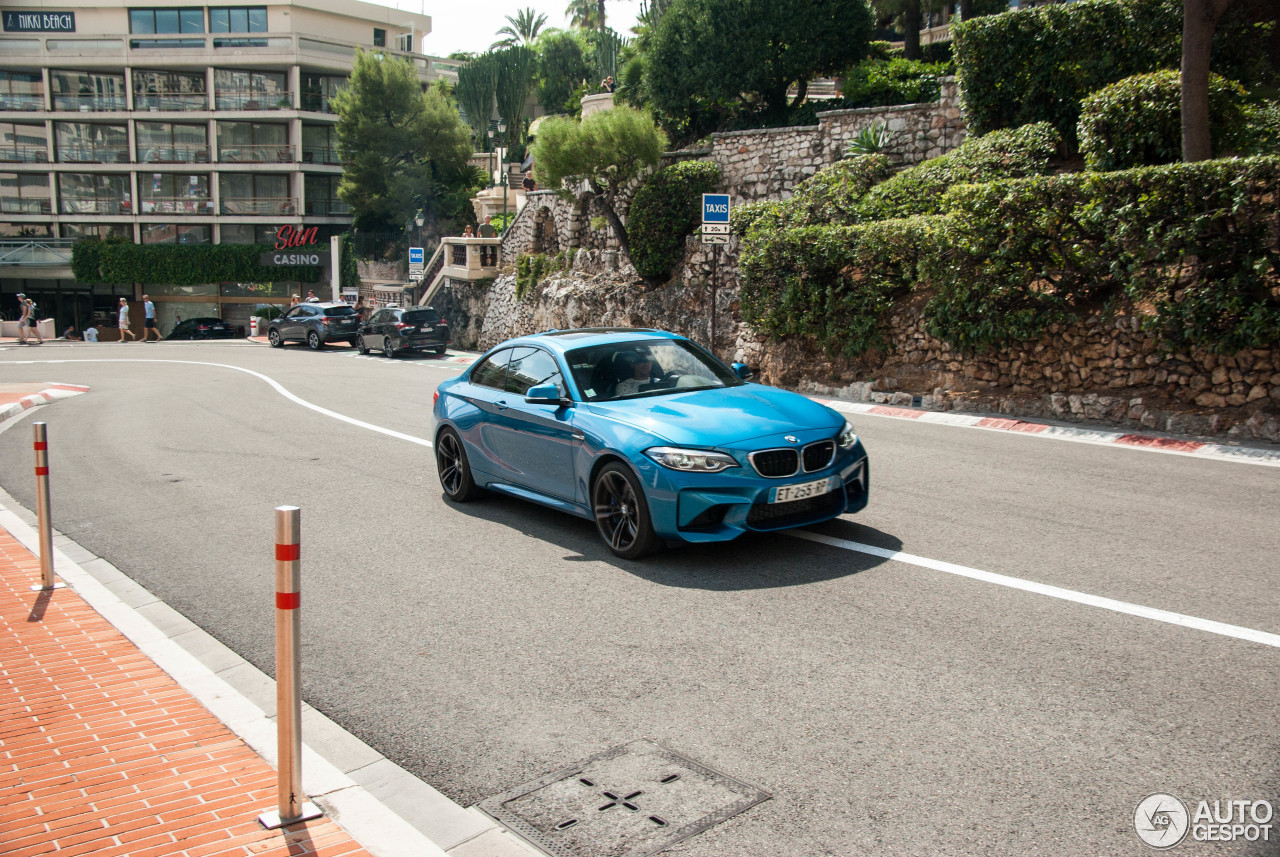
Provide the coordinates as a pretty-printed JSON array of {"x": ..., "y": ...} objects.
[{"x": 295, "y": 246}]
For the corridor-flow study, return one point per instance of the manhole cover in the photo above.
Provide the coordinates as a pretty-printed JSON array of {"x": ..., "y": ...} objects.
[{"x": 630, "y": 801}]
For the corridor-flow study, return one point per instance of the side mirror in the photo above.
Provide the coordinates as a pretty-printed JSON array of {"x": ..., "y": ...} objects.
[
  {"x": 544, "y": 394},
  {"x": 743, "y": 372}
]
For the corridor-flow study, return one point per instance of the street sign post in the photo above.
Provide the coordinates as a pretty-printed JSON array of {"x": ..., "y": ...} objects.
[
  {"x": 415, "y": 263},
  {"x": 715, "y": 230}
]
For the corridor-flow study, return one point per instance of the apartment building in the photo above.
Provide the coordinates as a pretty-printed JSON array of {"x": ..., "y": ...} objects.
[{"x": 169, "y": 122}]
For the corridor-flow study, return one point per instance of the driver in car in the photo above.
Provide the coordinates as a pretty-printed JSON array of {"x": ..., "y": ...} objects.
[{"x": 641, "y": 363}]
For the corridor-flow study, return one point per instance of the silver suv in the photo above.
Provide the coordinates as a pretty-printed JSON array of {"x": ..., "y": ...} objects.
[{"x": 315, "y": 324}]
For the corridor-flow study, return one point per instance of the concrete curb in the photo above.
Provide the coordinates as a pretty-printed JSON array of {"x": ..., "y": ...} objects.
[{"x": 44, "y": 397}]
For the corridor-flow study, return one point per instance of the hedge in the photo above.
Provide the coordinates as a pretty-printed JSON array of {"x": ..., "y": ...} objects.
[
  {"x": 829, "y": 197},
  {"x": 1195, "y": 245},
  {"x": 886, "y": 82},
  {"x": 1037, "y": 65},
  {"x": 179, "y": 265},
  {"x": 664, "y": 212},
  {"x": 1138, "y": 121}
]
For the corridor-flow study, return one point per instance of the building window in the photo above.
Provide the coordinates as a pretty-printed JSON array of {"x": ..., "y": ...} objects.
[
  {"x": 321, "y": 194},
  {"x": 235, "y": 89},
  {"x": 253, "y": 142},
  {"x": 23, "y": 143},
  {"x": 173, "y": 193},
  {"x": 87, "y": 91},
  {"x": 320, "y": 144},
  {"x": 26, "y": 230},
  {"x": 406, "y": 42},
  {"x": 145, "y": 21},
  {"x": 90, "y": 143},
  {"x": 176, "y": 233},
  {"x": 253, "y": 193},
  {"x": 90, "y": 193},
  {"x": 318, "y": 91},
  {"x": 20, "y": 90},
  {"x": 166, "y": 143},
  {"x": 168, "y": 90},
  {"x": 246, "y": 233},
  {"x": 237, "y": 19},
  {"x": 25, "y": 194},
  {"x": 379, "y": 38}
]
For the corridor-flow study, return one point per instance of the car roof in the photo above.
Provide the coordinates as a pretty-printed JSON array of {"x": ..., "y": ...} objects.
[{"x": 565, "y": 340}]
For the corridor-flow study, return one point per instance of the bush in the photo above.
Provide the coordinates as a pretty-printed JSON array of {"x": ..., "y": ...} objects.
[
  {"x": 1037, "y": 65},
  {"x": 828, "y": 198},
  {"x": 268, "y": 311},
  {"x": 179, "y": 265},
  {"x": 1138, "y": 121},
  {"x": 1262, "y": 131},
  {"x": 664, "y": 212},
  {"x": 886, "y": 82},
  {"x": 1001, "y": 154}
]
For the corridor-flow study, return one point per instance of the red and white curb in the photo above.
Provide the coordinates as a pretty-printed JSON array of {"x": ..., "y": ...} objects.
[
  {"x": 1176, "y": 446},
  {"x": 44, "y": 397}
]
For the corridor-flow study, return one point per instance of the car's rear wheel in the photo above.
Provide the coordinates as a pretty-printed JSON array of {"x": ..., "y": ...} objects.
[
  {"x": 360, "y": 346},
  {"x": 622, "y": 514},
  {"x": 455, "y": 472},
  {"x": 313, "y": 341},
  {"x": 274, "y": 338},
  {"x": 387, "y": 350},
  {"x": 440, "y": 349}
]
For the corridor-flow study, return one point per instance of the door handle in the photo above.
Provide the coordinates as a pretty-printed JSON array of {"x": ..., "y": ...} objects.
[
  {"x": 577, "y": 436},
  {"x": 502, "y": 406}
]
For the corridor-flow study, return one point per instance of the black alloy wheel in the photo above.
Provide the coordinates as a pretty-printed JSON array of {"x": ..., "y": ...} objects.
[
  {"x": 360, "y": 346},
  {"x": 273, "y": 337},
  {"x": 313, "y": 341},
  {"x": 455, "y": 473},
  {"x": 621, "y": 513},
  {"x": 440, "y": 349}
]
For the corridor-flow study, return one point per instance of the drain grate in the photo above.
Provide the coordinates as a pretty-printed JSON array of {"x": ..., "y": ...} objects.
[{"x": 630, "y": 801}]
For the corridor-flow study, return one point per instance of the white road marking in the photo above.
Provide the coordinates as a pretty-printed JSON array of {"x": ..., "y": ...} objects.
[
  {"x": 274, "y": 384},
  {"x": 1155, "y": 614},
  {"x": 1207, "y": 625}
]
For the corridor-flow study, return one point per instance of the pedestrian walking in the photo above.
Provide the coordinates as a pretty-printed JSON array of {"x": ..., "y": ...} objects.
[
  {"x": 149, "y": 322},
  {"x": 22, "y": 318},
  {"x": 124, "y": 323},
  {"x": 31, "y": 321},
  {"x": 311, "y": 297},
  {"x": 294, "y": 300},
  {"x": 529, "y": 184}
]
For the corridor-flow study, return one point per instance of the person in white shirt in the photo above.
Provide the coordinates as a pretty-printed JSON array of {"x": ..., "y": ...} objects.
[{"x": 91, "y": 334}]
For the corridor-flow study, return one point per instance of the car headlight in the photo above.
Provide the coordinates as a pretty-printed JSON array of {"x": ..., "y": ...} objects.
[
  {"x": 691, "y": 460},
  {"x": 847, "y": 437}
]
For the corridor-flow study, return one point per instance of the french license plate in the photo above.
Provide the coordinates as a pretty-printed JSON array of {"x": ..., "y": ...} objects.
[{"x": 803, "y": 491}]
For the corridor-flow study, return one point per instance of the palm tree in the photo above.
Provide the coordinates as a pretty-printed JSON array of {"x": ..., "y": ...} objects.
[
  {"x": 522, "y": 29},
  {"x": 586, "y": 14}
]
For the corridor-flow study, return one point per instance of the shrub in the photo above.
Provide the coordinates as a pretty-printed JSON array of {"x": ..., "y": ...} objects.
[
  {"x": 1262, "y": 131},
  {"x": 1138, "y": 121},
  {"x": 826, "y": 198},
  {"x": 268, "y": 311},
  {"x": 179, "y": 265},
  {"x": 1001, "y": 154},
  {"x": 885, "y": 82},
  {"x": 871, "y": 140},
  {"x": 664, "y": 212}
]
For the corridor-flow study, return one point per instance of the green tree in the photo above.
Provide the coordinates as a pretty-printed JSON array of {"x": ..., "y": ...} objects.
[
  {"x": 562, "y": 69},
  {"x": 516, "y": 67},
  {"x": 716, "y": 59},
  {"x": 522, "y": 29},
  {"x": 633, "y": 58},
  {"x": 1199, "y": 21},
  {"x": 585, "y": 14},
  {"x": 607, "y": 151},
  {"x": 477, "y": 85},
  {"x": 402, "y": 148}
]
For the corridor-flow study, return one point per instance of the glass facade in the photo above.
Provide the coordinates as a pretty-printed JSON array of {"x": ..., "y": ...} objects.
[
  {"x": 321, "y": 194},
  {"x": 169, "y": 90},
  {"x": 318, "y": 91},
  {"x": 248, "y": 233},
  {"x": 254, "y": 193},
  {"x": 21, "y": 193},
  {"x": 320, "y": 144},
  {"x": 94, "y": 193},
  {"x": 95, "y": 230},
  {"x": 253, "y": 142},
  {"x": 23, "y": 143},
  {"x": 237, "y": 19},
  {"x": 90, "y": 143},
  {"x": 21, "y": 90},
  {"x": 171, "y": 143},
  {"x": 241, "y": 89},
  {"x": 147, "y": 21},
  {"x": 176, "y": 233},
  {"x": 87, "y": 90},
  {"x": 174, "y": 193}
]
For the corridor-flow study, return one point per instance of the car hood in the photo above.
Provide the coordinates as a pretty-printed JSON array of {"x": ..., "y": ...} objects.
[{"x": 720, "y": 417}]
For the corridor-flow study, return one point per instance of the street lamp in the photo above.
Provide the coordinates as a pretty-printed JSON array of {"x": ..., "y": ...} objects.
[
  {"x": 418, "y": 220},
  {"x": 502, "y": 170}
]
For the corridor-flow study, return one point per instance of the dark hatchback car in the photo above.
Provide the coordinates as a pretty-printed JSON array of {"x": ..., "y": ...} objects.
[
  {"x": 393, "y": 330},
  {"x": 315, "y": 324},
  {"x": 202, "y": 328}
]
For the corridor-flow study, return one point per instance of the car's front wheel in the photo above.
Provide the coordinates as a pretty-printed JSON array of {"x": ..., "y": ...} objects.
[
  {"x": 313, "y": 341},
  {"x": 455, "y": 472},
  {"x": 621, "y": 513},
  {"x": 274, "y": 338},
  {"x": 360, "y": 346}
]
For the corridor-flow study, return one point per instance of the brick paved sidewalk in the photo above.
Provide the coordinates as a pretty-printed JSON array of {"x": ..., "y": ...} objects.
[{"x": 102, "y": 753}]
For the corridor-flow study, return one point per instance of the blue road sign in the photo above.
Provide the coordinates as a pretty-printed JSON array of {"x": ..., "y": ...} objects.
[
  {"x": 715, "y": 208},
  {"x": 415, "y": 255}
]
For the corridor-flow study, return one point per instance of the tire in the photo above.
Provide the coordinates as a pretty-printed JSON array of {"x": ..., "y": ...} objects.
[
  {"x": 622, "y": 513},
  {"x": 360, "y": 346},
  {"x": 387, "y": 350},
  {"x": 313, "y": 341},
  {"x": 273, "y": 337},
  {"x": 441, "y": 349},
  {"x": 455, "y": 472}
]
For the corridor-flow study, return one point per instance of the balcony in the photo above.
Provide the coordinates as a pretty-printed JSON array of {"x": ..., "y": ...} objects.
[
  {"x": 89, "y": 103},
  {"x": 93, "y": 154},
  {"x": 321, "y": 155},
  {"x": 175, "y": 205},
  {"x": 249, "y": 100},
  {"x": 259, "y": 205},
  {"x": 256, "y": 154},
  {"x": 172, "y": 101},
  {"x": 95, "y": 206},
  {"x": 192, "y": 154},
  {"x": 13, "y": 101},
  {"x": 27, "y": 153},
  {"x": 17, "y": 205},
  {"x": 327, "y": 208}
]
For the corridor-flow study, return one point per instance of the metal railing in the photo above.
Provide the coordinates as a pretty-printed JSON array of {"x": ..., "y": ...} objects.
[
  {"x": 327, "y": 207},
  {"x": 241, "y": 100},
  {"x": 94, "y": 206},
  {"x": 21, "y": 102},
  {"x": 320, "y": 155},
  {"x": 89, "y": 103},
  {"x": 36, "y": 251},
  {"x": 171, "y": 101},
  {"x": 256, "y": 154},
  {"x": 259, "y": 205},
  {"x": 93, "y": 154},
  {"x": 174, "y": 205},
  {"x": 194, "y": 154},
  {"x": 18, "y": 205},
  {"x": 25, "y": 152}
]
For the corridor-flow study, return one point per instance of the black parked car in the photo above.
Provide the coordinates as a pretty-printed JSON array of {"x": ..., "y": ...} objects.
[
  {"x": 393, "y": 330},
  {"x": 202, "y": 328},
  {"x": 315, "y": 324}
]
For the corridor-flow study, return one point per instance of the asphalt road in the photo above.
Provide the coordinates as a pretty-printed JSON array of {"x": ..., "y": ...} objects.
[{"x": 889, "y": 708}]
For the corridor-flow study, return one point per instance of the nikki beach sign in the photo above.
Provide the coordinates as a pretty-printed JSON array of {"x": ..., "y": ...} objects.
[{"x": 39, "y": 22}]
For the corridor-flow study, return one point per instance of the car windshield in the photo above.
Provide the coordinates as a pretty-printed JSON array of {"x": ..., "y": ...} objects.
[
  {"x": 650, "y": 367},
  {"x": 339, "y": 310},
  {"x": 420, "y": 316}
]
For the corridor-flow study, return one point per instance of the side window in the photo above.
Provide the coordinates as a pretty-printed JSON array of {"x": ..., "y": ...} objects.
[
  {"x": 492, "y": 370},
  {"x": 394, "y": 315},
  {"x": 530, "y": 367},
  {"x": 294, "y": 313},
  {"x": 378, "y": 317}
]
